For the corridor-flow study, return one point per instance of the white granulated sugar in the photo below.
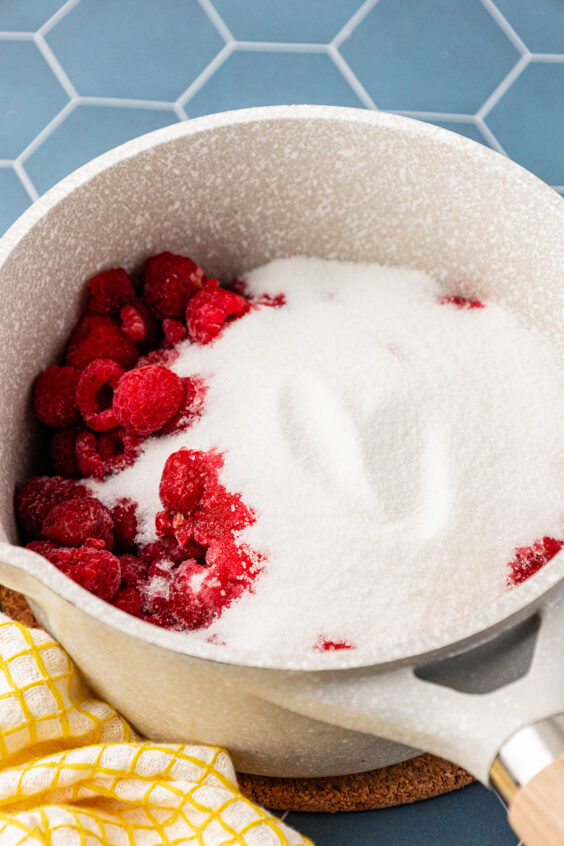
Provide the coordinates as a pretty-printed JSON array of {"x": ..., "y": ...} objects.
[{"x": 395, "y": 450}]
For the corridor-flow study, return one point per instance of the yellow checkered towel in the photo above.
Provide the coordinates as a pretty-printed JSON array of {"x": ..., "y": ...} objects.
[{"x": 73, "y": 772}]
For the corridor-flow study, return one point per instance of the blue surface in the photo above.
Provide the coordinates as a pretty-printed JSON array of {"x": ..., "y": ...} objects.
[{"x": 443, "y": 61}]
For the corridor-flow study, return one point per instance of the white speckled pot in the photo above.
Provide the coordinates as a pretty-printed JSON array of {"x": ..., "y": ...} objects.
[{"x": 235, "y": 190}]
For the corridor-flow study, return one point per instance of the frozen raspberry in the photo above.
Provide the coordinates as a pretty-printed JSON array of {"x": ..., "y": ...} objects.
[
  {"x": 529, "y": 559},
  {"x": 54, "y": 396},
  {"x": 95, "y": 393},
  {"x": 167, "y": 549},
  {"x": 109, "y": 292},
  {"x": 461, "y": 302},
  {"x": 39, "y": 495},
  {"x": 62, "y": 451},
  {"x": 133, "y": 570},
  {"x": 47, "y": 549},
  {"x": 192, "y": 407},
  {"x": 128, "y": 599},
  {"x": 162, "y": 357},
  {"x": 174, "y": 332},
  {"x": 210, "y": 309},
  {"x": 146, "y": 398},
  {"x": 74, "y": 521},
  {"x": 132, "y": 324},
  {"x": 219, "y": 514},
  {"x": 271, "y": 300},
  {"x": 169, "y": 282},
  {"x": 108, "y": 452},
  {"x": 124, "y": 514},
  {"x": 183, "y": 478},
  {"x": 96, "y": 336},
  {"x": 324, "y": 645},
  {"x": 97, "y": 570},
  {"x": 187, "y": 603}
]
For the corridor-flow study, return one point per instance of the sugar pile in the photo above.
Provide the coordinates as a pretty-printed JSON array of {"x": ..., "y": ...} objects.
[{"x": 396, "y": 450}]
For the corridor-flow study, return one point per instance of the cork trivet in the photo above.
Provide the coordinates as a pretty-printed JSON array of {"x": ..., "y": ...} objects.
[{"x": 399, "y": 784}]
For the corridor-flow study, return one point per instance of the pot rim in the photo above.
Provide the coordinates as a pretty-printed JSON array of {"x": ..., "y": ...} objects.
[{"x": 515, "y": 603}]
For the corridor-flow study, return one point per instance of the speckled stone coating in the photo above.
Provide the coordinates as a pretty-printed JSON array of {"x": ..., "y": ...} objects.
[{"x": 235, "y": 190}]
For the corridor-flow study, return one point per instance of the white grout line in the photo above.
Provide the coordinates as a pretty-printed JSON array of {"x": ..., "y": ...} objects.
[
  {"x": 6, "y": 162},
  {"x": 503, "y": 86},
  {"x": 16, "y": 36},
  {"x": 216, "y": 20},
  {"x": 55, "y": 66},
  {"x": 180, "y": 112},
  {"x": 489, "y": 136},
  {"x": 26, "y": 181},
  {"x": 547, "y": 57},
  {"x": 350, "y": 77},
  {"x": 121, "y": 102},
  {"x": 505, "y": 26},
  {"x": 205, "y": 74},
  {"x": 558, "y": 187},
  {"x": 353, "y": 22},
  {"x": 451, "y": 117},
  {"x": 279, "y": 47},
  {"x": 46, "y": 131},
  {"x": 59, "y": 15}
]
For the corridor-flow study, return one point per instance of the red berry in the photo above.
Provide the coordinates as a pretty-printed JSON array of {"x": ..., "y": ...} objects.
[
  {"x": 108, "y": 452},
  {"x": 183, "y": 478},
  {"x": 167, "y": 549},
  {"x": 219, "y": 514},
  {"x": 95, "y": 393},
  {"x": 461, "y": 302},
  {"x": 75, "y": 521},
  {"x": 174, "y": 332},
  {"x": 186, "y": 602},
  {"x": 133, "y": 570},
  {"x": 210, "y": 309},
  {"x": 124, "y": 514},
  {"x": 62, "y": 451},
  {"x": 147, "y": 397},
  {"x": 324, "y": 645},
  {"x": 96, "y": 336},
  {"x": 132, "y": 324},
  {"x": 162, "y": 357},
  {"x": 109, "y": 292},
  {"x": 271, "y": 300},
  {"x": 169, "y": 282},
  {"x": 128, "y": 599},
  {"x": 192, "y": 407},
  {"x": 39, "y": 495},
  {"x": 529, "y": 559},
  {"x": 54, "y": 396},
  {"x": 97, "y": 570},
  {"x": 47, "y": 549}
]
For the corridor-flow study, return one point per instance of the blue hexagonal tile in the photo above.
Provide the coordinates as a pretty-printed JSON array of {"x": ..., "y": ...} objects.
[
  {"x": 14, "y": 198},
  {"x": 271, "y": 79},
  {"x": 314, "y": 21},
  {"x": 150, "y": 50},
  {"x": 30, "y": 95},
  {"x": 26, "y": 16},
  {"x": 540, "y": 24},
  {"x": 429, "y": 56},
  {"x": 528, "y": 121},
  {"x": 87, "y": 132}
]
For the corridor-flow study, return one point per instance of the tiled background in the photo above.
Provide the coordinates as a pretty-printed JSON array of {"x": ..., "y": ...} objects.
[{"x": 79, "y": 77}]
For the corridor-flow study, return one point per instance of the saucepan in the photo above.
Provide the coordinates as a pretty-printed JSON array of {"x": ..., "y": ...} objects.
[{"x": 233, "y": 191}]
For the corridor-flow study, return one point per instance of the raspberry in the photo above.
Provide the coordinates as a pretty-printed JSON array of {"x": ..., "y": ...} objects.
[
  {"x": 146, "y": 398},
  {"x": 110, "y": 291},
  {"x": 62, "y": 451},
  {"x": 169, "y": 282},
  {"x": 47, "y": 549},
  {"x": 529, "y": 559},
  {"x": 132, "y": 324},
  {"x": 39, "y": 495},
  {"x": 187, "y": 604},
  {"x": 162, "y": 357},
  {"x": 128, "y": 599},
  {"x": 183, "y": 478},
  {"x": 272, "y": 300},
  {"x": 124, "y": 515},
  {"x": 174, "y": 332},
  {"x": 133, "y": 570},
  {"x": 54, "y": 396},
  {"x": 96, "y": 570},
  {"x": 324, "y": 645},
  {"x": 96, "y": 336},
  {"x": 461, "y": 302},
  {"x": 95, "y": 393},
  {"x": 220, "y": 513},
  {"x": 192, "y": 407},
  {"x": 109, "y": 452},
  {"x": 210, "y": 309},
  {"x": 167, "y": 549},
  {"x": 74, "y": 521}
]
